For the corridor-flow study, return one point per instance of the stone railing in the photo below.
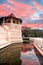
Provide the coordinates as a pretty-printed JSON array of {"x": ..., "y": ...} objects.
[{"x": 38, "y": 43}]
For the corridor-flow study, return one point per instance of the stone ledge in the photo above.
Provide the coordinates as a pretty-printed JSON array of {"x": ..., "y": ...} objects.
[{"x": 39, "y": 49}]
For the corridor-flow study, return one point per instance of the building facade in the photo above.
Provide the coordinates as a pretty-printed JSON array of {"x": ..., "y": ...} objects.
[{"x": 12, "y": 26}]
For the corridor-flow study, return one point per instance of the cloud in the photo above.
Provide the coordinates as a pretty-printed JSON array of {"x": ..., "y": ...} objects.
[
  {"x": 37, "y": 6},
  {"x": 23, "y": 9},
  {"x": 26, "y": 11},
  {"x": 33, "y": 25},
  {"x": 4, "y": 9}
]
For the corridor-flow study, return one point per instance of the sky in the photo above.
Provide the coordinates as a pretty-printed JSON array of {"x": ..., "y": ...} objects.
[{"x": 30, "y": 11}]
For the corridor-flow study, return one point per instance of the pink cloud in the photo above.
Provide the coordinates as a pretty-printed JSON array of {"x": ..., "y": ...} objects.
[
  {"x": 22, "y": 9},
  {"x": 33, "y": 25},
  {"x": 37, "y": 6},
  {"x": 18, "y": 9},
  {"x": 4, "y": 10}
]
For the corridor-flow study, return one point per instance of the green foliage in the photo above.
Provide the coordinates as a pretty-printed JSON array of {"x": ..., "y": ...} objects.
[{"x": 33, "y": 33}]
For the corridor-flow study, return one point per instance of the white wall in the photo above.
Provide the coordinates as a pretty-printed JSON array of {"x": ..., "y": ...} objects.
[
  {"x": 10, "y": 34},
  {"x": 38, "y": 43}
]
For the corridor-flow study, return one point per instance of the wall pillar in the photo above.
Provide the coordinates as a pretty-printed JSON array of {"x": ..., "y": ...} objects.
[
  {"x": 18, "y": 21},
  {"x": 3, "y": 20},
  {"x": 11, "y": 20}
]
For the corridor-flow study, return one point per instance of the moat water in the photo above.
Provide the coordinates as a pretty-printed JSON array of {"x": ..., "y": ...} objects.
[{"x": 25, "y": 54}]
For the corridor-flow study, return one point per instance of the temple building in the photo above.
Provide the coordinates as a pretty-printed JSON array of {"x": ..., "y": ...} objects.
[
  {"x": 10, "y": 30},
  {"x": 10, "y": 19}
]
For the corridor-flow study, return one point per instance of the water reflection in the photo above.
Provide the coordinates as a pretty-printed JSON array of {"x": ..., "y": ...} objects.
[
  {"x": 26, "y": 47},
  {"x": 20, "y": 54},
  {"x": 39, "y": 56},
  {"x": 30, "y": 57}
]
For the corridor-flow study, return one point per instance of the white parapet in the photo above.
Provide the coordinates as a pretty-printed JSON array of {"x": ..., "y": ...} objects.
[{"x": 38, "y": 43}]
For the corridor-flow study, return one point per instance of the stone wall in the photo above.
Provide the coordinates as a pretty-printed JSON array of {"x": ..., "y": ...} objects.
[{"x": 10, "y": 33}]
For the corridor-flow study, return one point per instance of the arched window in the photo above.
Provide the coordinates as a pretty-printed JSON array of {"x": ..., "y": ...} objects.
[
  {"x": 9, "y": 21},
  {"x": 13, "y": 21}
]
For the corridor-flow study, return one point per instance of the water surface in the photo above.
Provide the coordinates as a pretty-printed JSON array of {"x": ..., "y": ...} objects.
[
  {"x": 30, "y": 55},
  {"x": 20, "y": 54}
]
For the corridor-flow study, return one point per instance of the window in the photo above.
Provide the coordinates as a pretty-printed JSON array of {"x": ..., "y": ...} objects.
[
  {"x": 9, "y": 21},
  {"x": 13, "y": 21}
]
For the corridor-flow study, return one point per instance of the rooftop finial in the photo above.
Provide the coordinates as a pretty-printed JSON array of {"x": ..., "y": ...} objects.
[{"x": 12, "y": 15}]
